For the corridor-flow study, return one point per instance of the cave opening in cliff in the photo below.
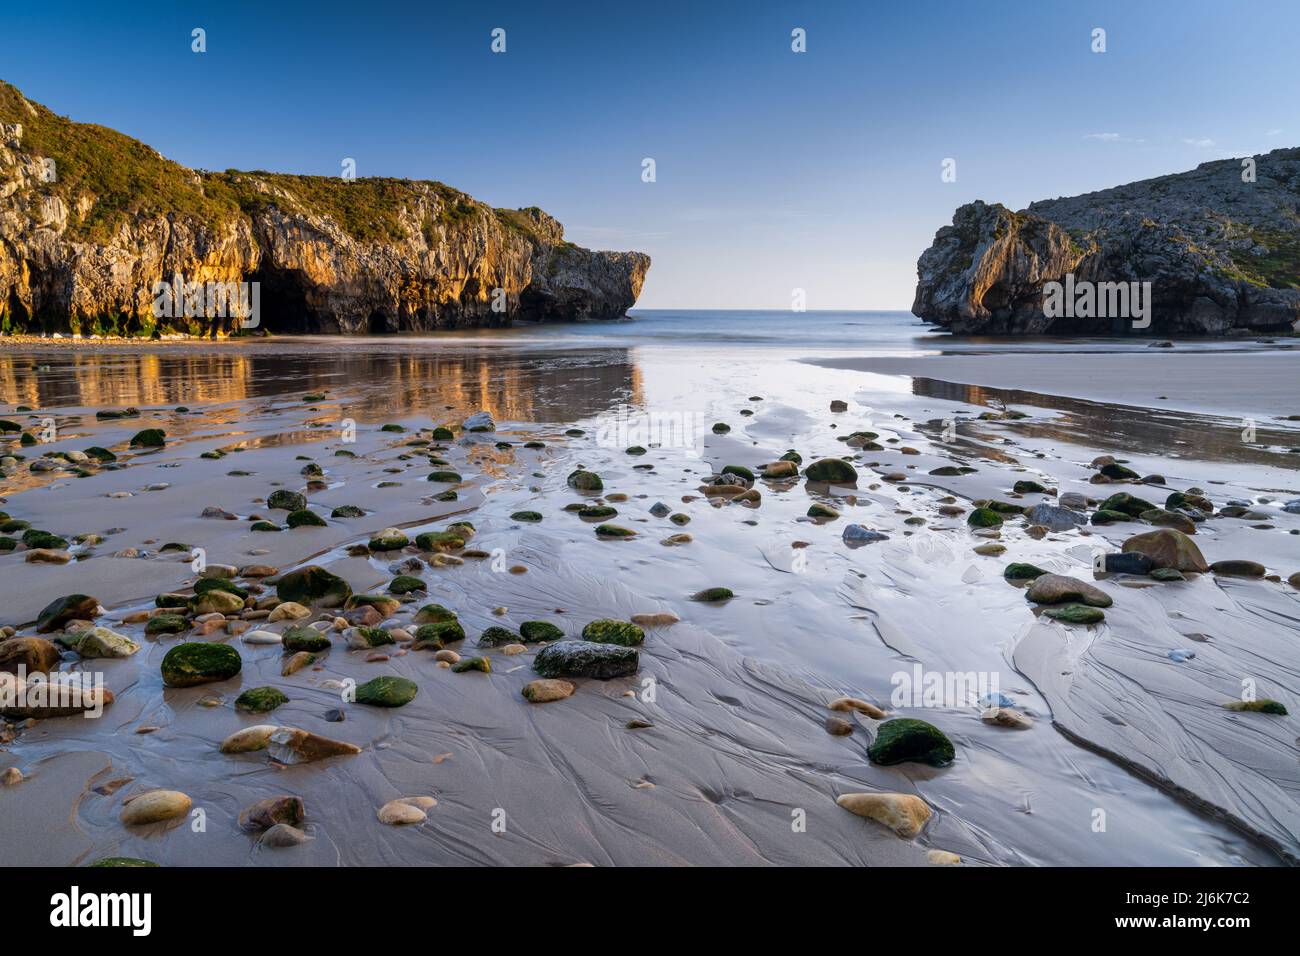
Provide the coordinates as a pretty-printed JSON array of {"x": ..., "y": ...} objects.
[
  {"x": 283, "y": 305},
  {"x": 377, "y": 324}
]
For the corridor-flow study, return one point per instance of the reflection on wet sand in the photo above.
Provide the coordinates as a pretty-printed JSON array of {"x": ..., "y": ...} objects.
[
  {"x": 556, "y": 386},
  {"x": 1128, "y": 428}
]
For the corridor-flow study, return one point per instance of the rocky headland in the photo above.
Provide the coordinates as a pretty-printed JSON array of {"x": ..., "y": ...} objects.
[
  {"x": 1220, "y": 248},
  {"x": 92, "y": 220}
]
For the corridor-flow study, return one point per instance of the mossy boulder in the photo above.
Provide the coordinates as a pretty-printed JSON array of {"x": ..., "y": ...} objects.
[
  {"x": 614, "y": 531},
  {"x": 1076, "y": 614},
  {"x": 482, "y": 664},
  {"x": 740, "y": 470},
  {"x": 406, "y": 584},
  {"x": 300, "y": 637},
  {"x": 34, "y": 539},
  {"x": 304, "y": 519},
  {"x": 149, "y": 438},
  {"x": 439, "y": 634},
  {"x": 71, "y": 607},
  {"x": 835, "y": 471},
  {"x": 1026, "y": 487},
  {"x": 1128, "y": 504},
  {"x": 906, "y": 739},
  {"x": 1022, "y": 572},
  {"x": 532, "y": 516},
  {"x": 165, "y": 624},
  {"x": 261, "y": 700},
  {"x": 102, "y": 455},
  {"x": 193, "y": 663},
  {"x": 983, "y": 518},
  {"x": 1183, "y": 499},
  {"x": 713, "y": 595},
  {"x": 498, "y": 637},
  {"x": 434, "y": 614},
  {"x": 368, "y": 637},
  {"x": 721, "y": 428},
  {"x": 286, "y": 500},
  {"x": 1104, "y": 516},
  {"x": 535, "y": 631},
  {"x": 446, "y": 477},
  {"x": 822, "y": 512},
  {"x": 313, "y": 585},
  {"x": 439, "y": 541},
  {"x": 267, "y": 526},
  {"x": 442, "y": 433},
  {"x": 623, "y": 633},
  {"x": 581, "y": 480},
  {"x": 387, "y": 691},
  {"x": 598, "y": 512},
  {"x": 390, "y": 539},
  {"x": 216, "y": 601},
  {"x": 1117, "y": 472},
  {"x": 586, "y": 659},
  {"x": 348, "y": 511}
]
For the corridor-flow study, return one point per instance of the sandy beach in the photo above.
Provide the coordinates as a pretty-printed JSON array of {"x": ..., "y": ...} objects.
[{"x": 717, "y": 750}]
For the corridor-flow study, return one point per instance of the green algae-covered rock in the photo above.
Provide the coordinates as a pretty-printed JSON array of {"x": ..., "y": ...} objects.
[
  {"x": 71, "y": 607},
  {"x": 165, "y": 624},
  {"x": 983, "y": 518},
  {"x": 906, "y": 739},
  {"x": 371, "y": 637},
  {"x": 581, "y": 480},
  {"x": 434, "y": 614},
  {"x": 390, "y": 539},
  {"x": 439, "y": 541},
  {"x": 261, "y": 700},
  {"x": 149, "y": 438},
  {"x": 1167, "y": 574},
  {"x": 710, "y": 595},
  {"x": 405, "y": 584},
  {"x": 204, "y": 585},
  {"x": 304, "y": 519},
  {"x": 100, "y": 454},
  {"x": 300, "y": 637},
  {"x": 1130, "y": 505},
  {"x": 721, "y": 428},
  {"x": 122, "y": 861},
  {"x": 348, "y": 511},
  {"x": 635, "y": 450},
  {"x": 8, "y": 544},
  {"x": 596, "y": 511},
  {"x": 1076, "y": 614},
  {"x": 215, "y": 601},
  {"x": 1026, "y": 487},
  {"x": 439, "y": 634},
  {"x": 313, "y": 585},
  {"x": 1104, "y": 516},
  {"x": 740, "y": 470},
  {"x": 388, "y": 691},
  {"x": 526, "y": 516},
  {"x": 446, "y": 477},
  {"x": 286, "y": 500},
  {"x": 614, "y": 531},
  {"x": 497, "y": 637},
  {"x": 264, "y": 526},
  {"x": 832, "y": 470},
  {"x": 442, "y": 433},
  {"x": 534, "y": 631},
  {"x": 624, "y": 633},
  {"x": 472, "y": 664},
  {"x": 1117, "y": 472},
  {"x": 586, "y": 659},
  {"x": 99, "y": 642},
  {"x": 35, "y": 538},
  {"x": 821, "y": 511},
  {"x": 1263, "y": 706},
  {"x": 189, "y": 664},
  {"x": 1022, "y": 572}
]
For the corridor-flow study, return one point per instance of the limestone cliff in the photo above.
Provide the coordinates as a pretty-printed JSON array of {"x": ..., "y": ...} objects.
[
  {"x": 1222, "y": 254},
  {"x": 91, "y": 220}
]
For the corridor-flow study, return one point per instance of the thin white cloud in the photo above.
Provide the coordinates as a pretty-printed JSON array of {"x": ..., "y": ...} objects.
[
  {"x": 1201, "y": 143},
  {"x": 1112, "y": 138}
]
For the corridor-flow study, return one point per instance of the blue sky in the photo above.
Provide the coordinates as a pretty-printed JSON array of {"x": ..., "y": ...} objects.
[{"x": 775, "y": 170}]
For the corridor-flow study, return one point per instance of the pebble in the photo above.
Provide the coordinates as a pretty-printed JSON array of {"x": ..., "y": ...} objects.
[
  {"x": 154, "y": 806},
  {"x": 657, "y": 619},
  {"x": 903, "y": 813},
  {"x": 847, "y": 704},
  {"x": 283, "y": 835},
  {"x": 262, "y": 637},
  {"x": 545, "y": 690},
  {"x": 405, "y": 810},
  {"x": 12, "y": 777}
]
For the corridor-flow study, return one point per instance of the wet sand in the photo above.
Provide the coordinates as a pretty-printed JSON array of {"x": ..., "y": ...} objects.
[{"x": 737, "y": 753}]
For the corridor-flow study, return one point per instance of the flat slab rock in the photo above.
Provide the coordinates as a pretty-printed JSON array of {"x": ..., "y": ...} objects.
[{"x": 587, "y": 659}]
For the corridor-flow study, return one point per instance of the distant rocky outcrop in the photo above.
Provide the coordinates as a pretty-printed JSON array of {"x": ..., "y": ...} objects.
[
  {"x": 1222, "y": 255},
  {"x": 92, "y": 220}
]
